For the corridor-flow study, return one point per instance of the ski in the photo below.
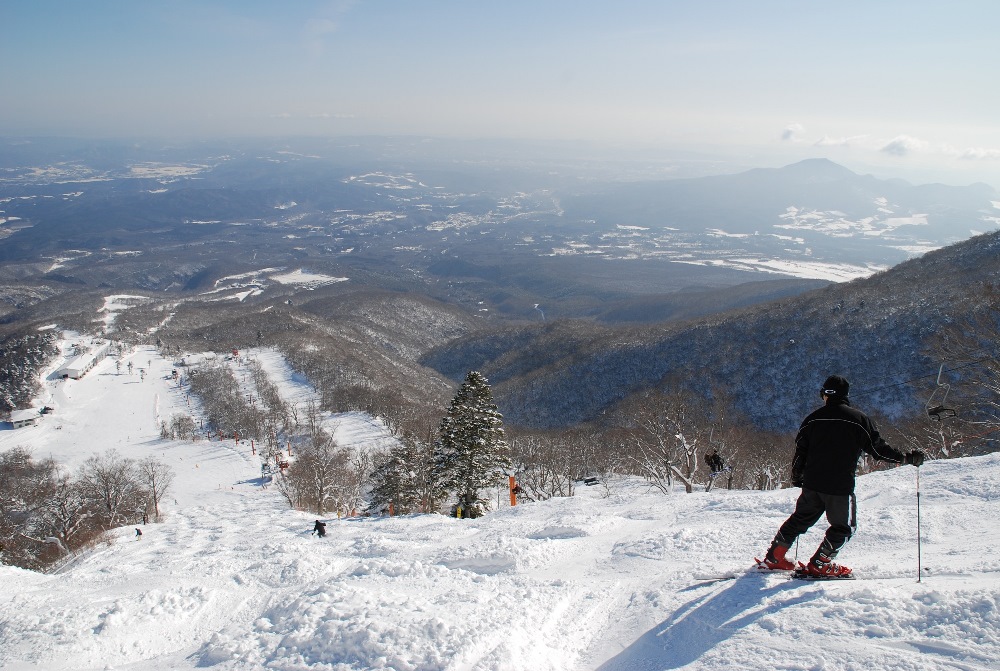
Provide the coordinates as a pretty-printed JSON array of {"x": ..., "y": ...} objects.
[
  {"x": 808, "y": 577},
  {"x": 757, "y": 569},
  {"x": 716, "y": 577}
]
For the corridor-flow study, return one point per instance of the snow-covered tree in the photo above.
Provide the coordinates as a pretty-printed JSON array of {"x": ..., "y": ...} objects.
[
  {"x": 471, "y": 451},
  {"x": 402, "y": 478},
  {"x": 21, "y": 358},
  {"x": 665, "y": 435}
]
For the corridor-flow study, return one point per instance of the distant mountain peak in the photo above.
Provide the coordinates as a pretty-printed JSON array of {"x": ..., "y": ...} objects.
[{"x": 818, "y": 169}]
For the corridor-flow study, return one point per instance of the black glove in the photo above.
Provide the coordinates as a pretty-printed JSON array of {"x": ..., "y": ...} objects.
[
  {"x": 916, "y": 457},
  {"x": 796, "y": 479}
]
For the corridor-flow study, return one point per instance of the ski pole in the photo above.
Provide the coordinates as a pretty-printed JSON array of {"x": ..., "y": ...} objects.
[{"x": 919, "y": 567}]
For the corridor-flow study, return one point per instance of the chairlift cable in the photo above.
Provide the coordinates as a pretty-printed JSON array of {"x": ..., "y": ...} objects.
[{"x": 921, "y": 377}]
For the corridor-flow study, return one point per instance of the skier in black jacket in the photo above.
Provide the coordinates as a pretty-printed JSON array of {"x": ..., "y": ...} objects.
[{"x": 827, "y": 448}]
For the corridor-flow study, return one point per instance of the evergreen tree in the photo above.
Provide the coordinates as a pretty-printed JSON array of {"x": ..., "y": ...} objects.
[
  {"x": 470, "y": 452},
  {"x": 401, "y": 478}
]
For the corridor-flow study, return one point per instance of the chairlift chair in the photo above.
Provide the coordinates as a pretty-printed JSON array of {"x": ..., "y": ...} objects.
[{"x": 939, "y": 411}]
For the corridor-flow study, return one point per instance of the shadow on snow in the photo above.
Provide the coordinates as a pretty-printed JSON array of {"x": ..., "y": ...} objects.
[{"x": 704, "y": 622}]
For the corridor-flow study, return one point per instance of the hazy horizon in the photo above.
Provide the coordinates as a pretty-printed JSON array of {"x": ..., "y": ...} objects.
[{"x": 899, "y": 90}]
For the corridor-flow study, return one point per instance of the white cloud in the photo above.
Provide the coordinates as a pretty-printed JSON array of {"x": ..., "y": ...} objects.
[
  {"x": 791, "y": 131},
  {"x": 979, "y": 153},
  {"x": 318, "y": 29},
  {"x": 827, "y": 141},
  {"x": 903, "y": 145}
]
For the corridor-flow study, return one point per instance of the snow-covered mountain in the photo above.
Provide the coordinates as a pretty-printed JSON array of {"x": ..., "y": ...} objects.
[
  {"x": 615, "y": 578},
  {"x": 809, "y": 219}
]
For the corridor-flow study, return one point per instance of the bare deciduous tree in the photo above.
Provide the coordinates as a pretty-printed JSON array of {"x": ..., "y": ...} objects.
[
  {"x": 111, "y": 481},
  {"x": 157, "y": 478},
  {"x": 68, "y": 513},
  {"x": 25, "y": 486},
  {"x": 321, "y": 477},
  {"x": 972, "y": 375},
  {"x": 291, "y": 488},
  {"x": 181, "y": 426},
  {"x": 760, "y": 460},
  {"x": 664, "y": 436},
  {"x": 547, "y": 464},
  {"x": 355, "y": 480}
]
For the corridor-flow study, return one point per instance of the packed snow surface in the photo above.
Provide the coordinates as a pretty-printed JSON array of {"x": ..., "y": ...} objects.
[
  {"x": 615, "y": 578},
  {"x": 307, "y": 279}
]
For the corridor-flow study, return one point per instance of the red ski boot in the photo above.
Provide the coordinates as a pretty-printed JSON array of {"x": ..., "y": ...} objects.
[
  {"x": 775, "y": 559},
  {"x": 822, "y": 567}
]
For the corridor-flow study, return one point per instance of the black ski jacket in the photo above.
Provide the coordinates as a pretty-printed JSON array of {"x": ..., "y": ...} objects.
[{"x": 829, "y": 444}]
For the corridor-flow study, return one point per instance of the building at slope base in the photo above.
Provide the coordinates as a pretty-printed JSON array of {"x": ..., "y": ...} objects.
[{"x": 82, "y": 364}]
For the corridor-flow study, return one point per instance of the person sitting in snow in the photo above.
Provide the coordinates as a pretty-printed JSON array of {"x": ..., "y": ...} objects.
[
  {"x": 827, "y": 448},
  {"x": 319, "y": 528}
]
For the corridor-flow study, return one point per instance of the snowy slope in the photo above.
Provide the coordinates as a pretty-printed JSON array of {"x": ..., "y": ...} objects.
[{"x": 232, "y": 579}]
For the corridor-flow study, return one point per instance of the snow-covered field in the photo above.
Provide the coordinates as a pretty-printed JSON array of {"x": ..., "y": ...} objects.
[
  {"x": 307, "y": 279},
  {"x": 612, "y": 579}
]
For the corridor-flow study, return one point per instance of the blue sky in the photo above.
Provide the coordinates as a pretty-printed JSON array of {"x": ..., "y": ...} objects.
[{"x": 892, "y": 87}]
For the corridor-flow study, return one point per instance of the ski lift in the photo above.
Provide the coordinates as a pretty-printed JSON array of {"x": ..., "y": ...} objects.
[{"x": 939, "y": 411}]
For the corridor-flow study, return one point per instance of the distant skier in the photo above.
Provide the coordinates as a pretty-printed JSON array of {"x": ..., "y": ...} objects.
[
  {"x": 138, "y": 534},
  {"x": 827, "y": 448},
  {"x": 715, "y": 462},
  {"x": 319, "y": 528}
]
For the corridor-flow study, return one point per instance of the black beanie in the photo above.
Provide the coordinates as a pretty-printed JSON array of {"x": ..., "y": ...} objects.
[{"x": 836, "y": 387}]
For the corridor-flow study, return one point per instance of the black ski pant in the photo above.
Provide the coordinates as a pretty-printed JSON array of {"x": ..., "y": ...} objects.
[{"x": 840, "y": 513}]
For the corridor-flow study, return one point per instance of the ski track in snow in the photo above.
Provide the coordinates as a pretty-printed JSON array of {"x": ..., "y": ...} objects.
[{"x": 232, "y": 579}]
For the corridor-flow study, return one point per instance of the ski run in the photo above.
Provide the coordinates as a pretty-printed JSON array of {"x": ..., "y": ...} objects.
[{"x": 616, "y": 578}]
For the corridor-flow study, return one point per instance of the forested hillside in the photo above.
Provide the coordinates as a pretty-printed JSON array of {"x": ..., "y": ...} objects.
[
  {"x": 771, "y": 358},
  {"x": 21, "y": 358},
  {"x": 393, "y": 353},
  {"x": 358, "y": 347}
]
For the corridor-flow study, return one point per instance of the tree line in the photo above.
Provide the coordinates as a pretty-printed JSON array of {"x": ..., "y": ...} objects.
[
  {"x": 21, "y": 359},
  {"x": 47, "y": 512},
  {"x": 469, "y": 457},
  {"x": 662, "y": 437}
]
